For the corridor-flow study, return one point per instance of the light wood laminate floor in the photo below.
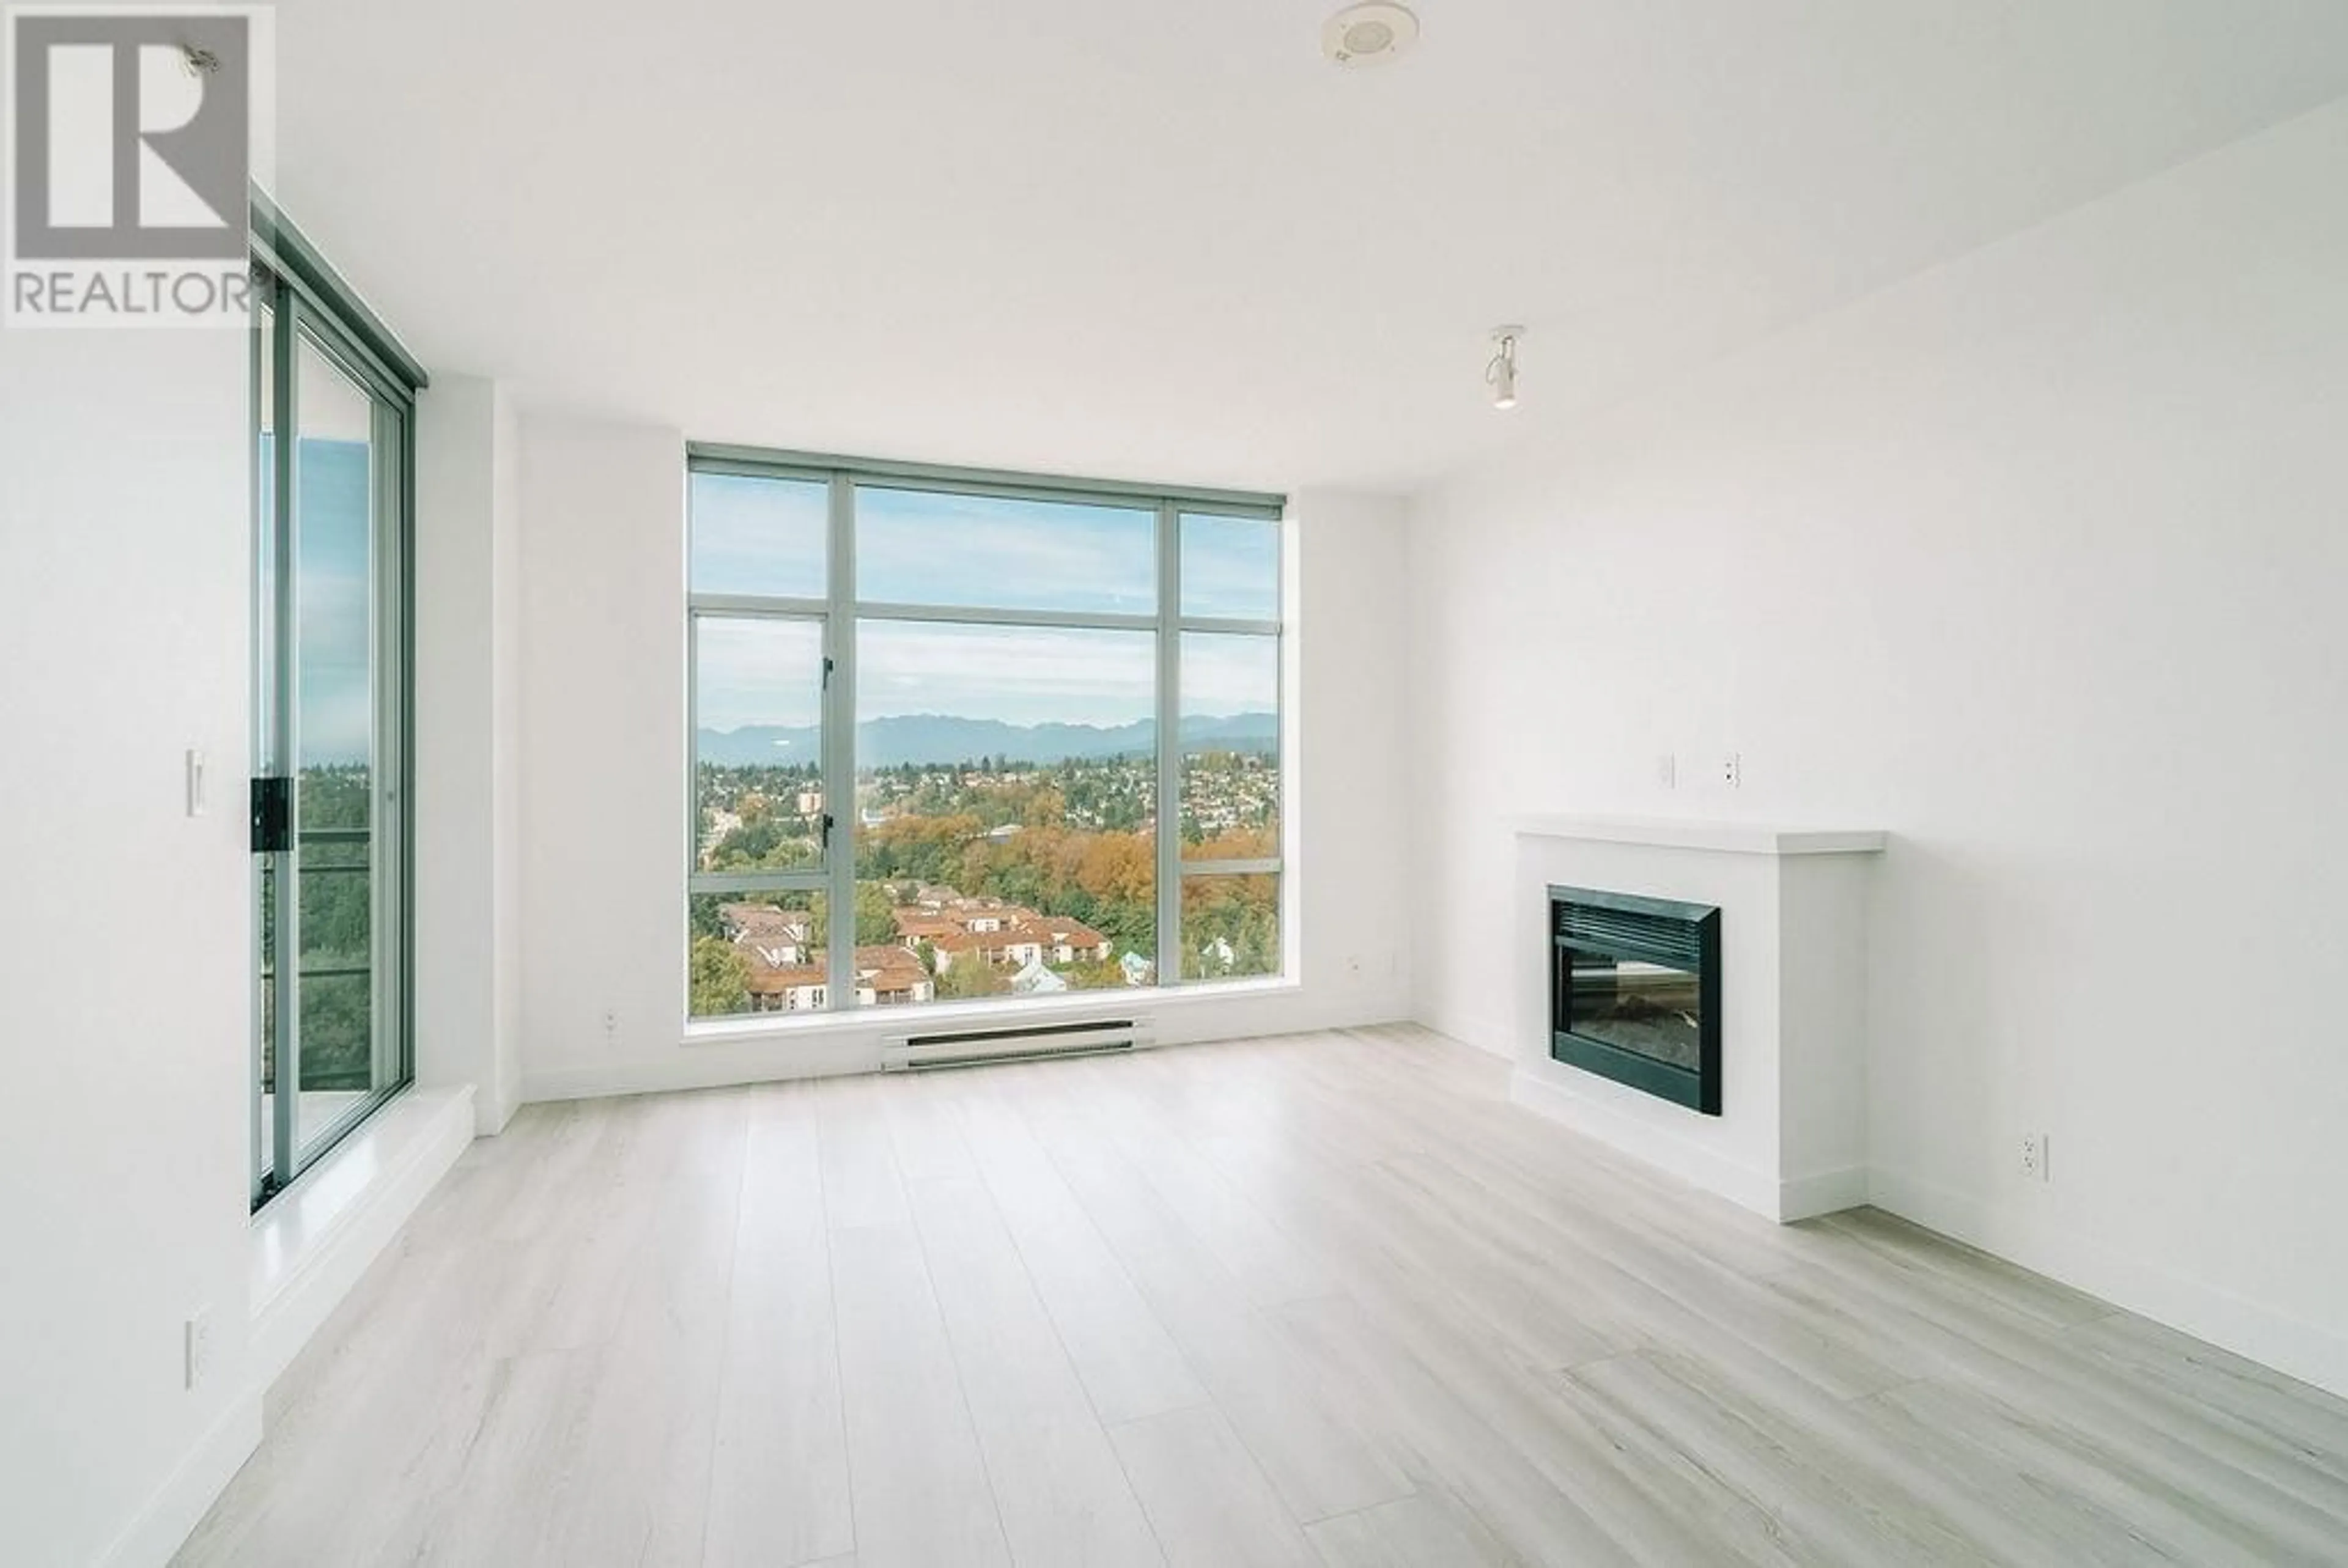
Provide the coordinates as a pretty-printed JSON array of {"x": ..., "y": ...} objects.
[{"x": 1320, "y": 1299}]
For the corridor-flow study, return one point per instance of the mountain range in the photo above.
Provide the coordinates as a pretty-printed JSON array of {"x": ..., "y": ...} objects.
[{"x": 919, "y": 738}]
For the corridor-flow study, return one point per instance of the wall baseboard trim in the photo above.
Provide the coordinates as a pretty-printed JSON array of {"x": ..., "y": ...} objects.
[
  {"x": 698, "y": 1067},
  {"x": 1490, "y": 1036},
  {"x": 440, "y": 1126},
  {"x": 157, "y": 1531},
  {"x": 2304, "y": 1350},
  {"x": 416, "y": 1137},
  {"x": 1822, "y": 1192},
  {"x": 725, "y": 1064},
  {"x": 492, "y": 1115}
]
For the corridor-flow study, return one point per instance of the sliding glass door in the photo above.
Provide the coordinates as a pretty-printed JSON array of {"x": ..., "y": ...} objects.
[{"x": 329, "y": 795}]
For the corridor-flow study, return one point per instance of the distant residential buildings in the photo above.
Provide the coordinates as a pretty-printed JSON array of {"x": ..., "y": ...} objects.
[
  {"x": 991, "y": 931},
  {"x": 788, "y": 972},
  {"x": 787, "y": 969}
]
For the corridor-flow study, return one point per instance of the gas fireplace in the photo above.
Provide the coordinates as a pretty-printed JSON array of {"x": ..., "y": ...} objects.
[{"x": 1635, "y": 992}]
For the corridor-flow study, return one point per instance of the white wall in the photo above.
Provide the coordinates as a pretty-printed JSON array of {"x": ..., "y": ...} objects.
[
  {"x": 125, "y": 1045},
  {"x": 125, "y": 1013},
  {"x": 506, "y": 767},
  {"x": 603, "y": 780},
  {"x": 2037, "y": 561},
  {"x": 468, "y": 736}
]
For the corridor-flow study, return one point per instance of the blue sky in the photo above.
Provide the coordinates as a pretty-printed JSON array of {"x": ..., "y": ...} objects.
[
  {"x": 334, "y": 631},
  {"x": 916, "y": 547},
  {"x": 770, "y": 673},
  {"x": 1021, "y": 675},
  {"x": 334, "y": 643},
  {"x": 1230, "y": 567},
  {"x": 757, "y": 536},
  {"x": 767, "y": 536}
]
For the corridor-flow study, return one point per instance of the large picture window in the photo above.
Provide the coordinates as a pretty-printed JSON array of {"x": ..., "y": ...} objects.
[{"x": 959, "y": 736}]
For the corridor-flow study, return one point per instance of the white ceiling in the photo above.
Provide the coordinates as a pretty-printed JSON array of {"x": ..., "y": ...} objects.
[{"x": 1172, "y": 242}]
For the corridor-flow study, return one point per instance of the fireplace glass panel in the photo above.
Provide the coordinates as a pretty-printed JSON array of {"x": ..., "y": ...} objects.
[
  {"x": 1635, "y": 992},
  {"x": 1650, "y": 1009}
]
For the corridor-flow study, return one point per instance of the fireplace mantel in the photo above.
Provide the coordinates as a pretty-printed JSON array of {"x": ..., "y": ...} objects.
[
  {"x": 1791, "y": 1138},
  {"x": 1729, "y": 837}
]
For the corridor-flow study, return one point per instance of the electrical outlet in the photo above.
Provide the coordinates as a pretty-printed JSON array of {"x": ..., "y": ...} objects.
[
  {"x": 1731, "y": 771},
  {"x": 1667, "y": 770},
  {"x": 199, "y": 1346},
  {"x": 2034, "y": 1156},
  {"x": 612, "y": 1024}
]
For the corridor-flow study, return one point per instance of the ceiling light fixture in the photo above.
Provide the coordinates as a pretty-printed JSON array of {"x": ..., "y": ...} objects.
[
  {"x": 1368, "y": 34},
  {"x": 1500, "y": 370}
]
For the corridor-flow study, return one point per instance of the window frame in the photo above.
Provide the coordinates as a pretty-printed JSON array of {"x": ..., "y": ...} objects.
[
  {"x": 308, "y": 300},
  {"x": 840, "y": 613}
]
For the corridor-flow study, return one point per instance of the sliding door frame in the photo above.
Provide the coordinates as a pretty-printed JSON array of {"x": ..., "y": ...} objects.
[{"x": 308, "y": 302}]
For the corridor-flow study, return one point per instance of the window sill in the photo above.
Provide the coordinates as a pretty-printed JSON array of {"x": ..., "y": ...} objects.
[{"x": 1141, "y": 1002}]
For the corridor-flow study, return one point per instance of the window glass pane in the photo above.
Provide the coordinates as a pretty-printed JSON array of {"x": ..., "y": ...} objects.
[
  {"x": 1230, "y": 746},
  {"x": 1231, "y": 927},
  {"x": 334, "y": 518},
  {"x": 334, "y": 638},
  {"x": 1230, "y": 567},
  {"x": 756, "y": 952},
  {"x": 759, "y": 743},
  {"x": 917, "y": 546},
  {"x": 337, "y": 1022},
  {"x": 1006, "y": 806},
  {"x": 759, "y": 536}
]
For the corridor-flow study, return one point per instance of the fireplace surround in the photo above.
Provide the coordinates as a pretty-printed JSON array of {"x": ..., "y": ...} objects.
[{"x": 1789, "y": 1137}]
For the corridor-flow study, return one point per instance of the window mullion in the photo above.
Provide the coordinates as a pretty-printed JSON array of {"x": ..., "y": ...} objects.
[
  {"x": 755, "y": 604},
  {"x": 1169, "y": 744},
  {"x": 839, "y": 747},
  {"x": 285, "y": 493},
  {"x": 1227, "y": 625},
  {"x": 692, "y": 769},
  {"x": 971, "y": 615}
]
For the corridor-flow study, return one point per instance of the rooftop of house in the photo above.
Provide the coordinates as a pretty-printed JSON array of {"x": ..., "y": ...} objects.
[
  {"x": 948, "y": 925},
  {"x": 756, "y": 920},
  {"x": 884, "y": 966}
]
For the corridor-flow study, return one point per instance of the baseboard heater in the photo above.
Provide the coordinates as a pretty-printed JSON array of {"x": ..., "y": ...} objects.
[{"x": 1034, "y": 1043}]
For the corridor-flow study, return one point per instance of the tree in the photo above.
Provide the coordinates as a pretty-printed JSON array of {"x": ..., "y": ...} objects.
[
  {"x": 876, "y": 917},
  {"x": 720, "y": 979},
  {"x": 970, "y": 978},
  {"x": 763, "y": 844},
  {"x": 1106, "y": 975},
  {"x": 701, "y": 910}
]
